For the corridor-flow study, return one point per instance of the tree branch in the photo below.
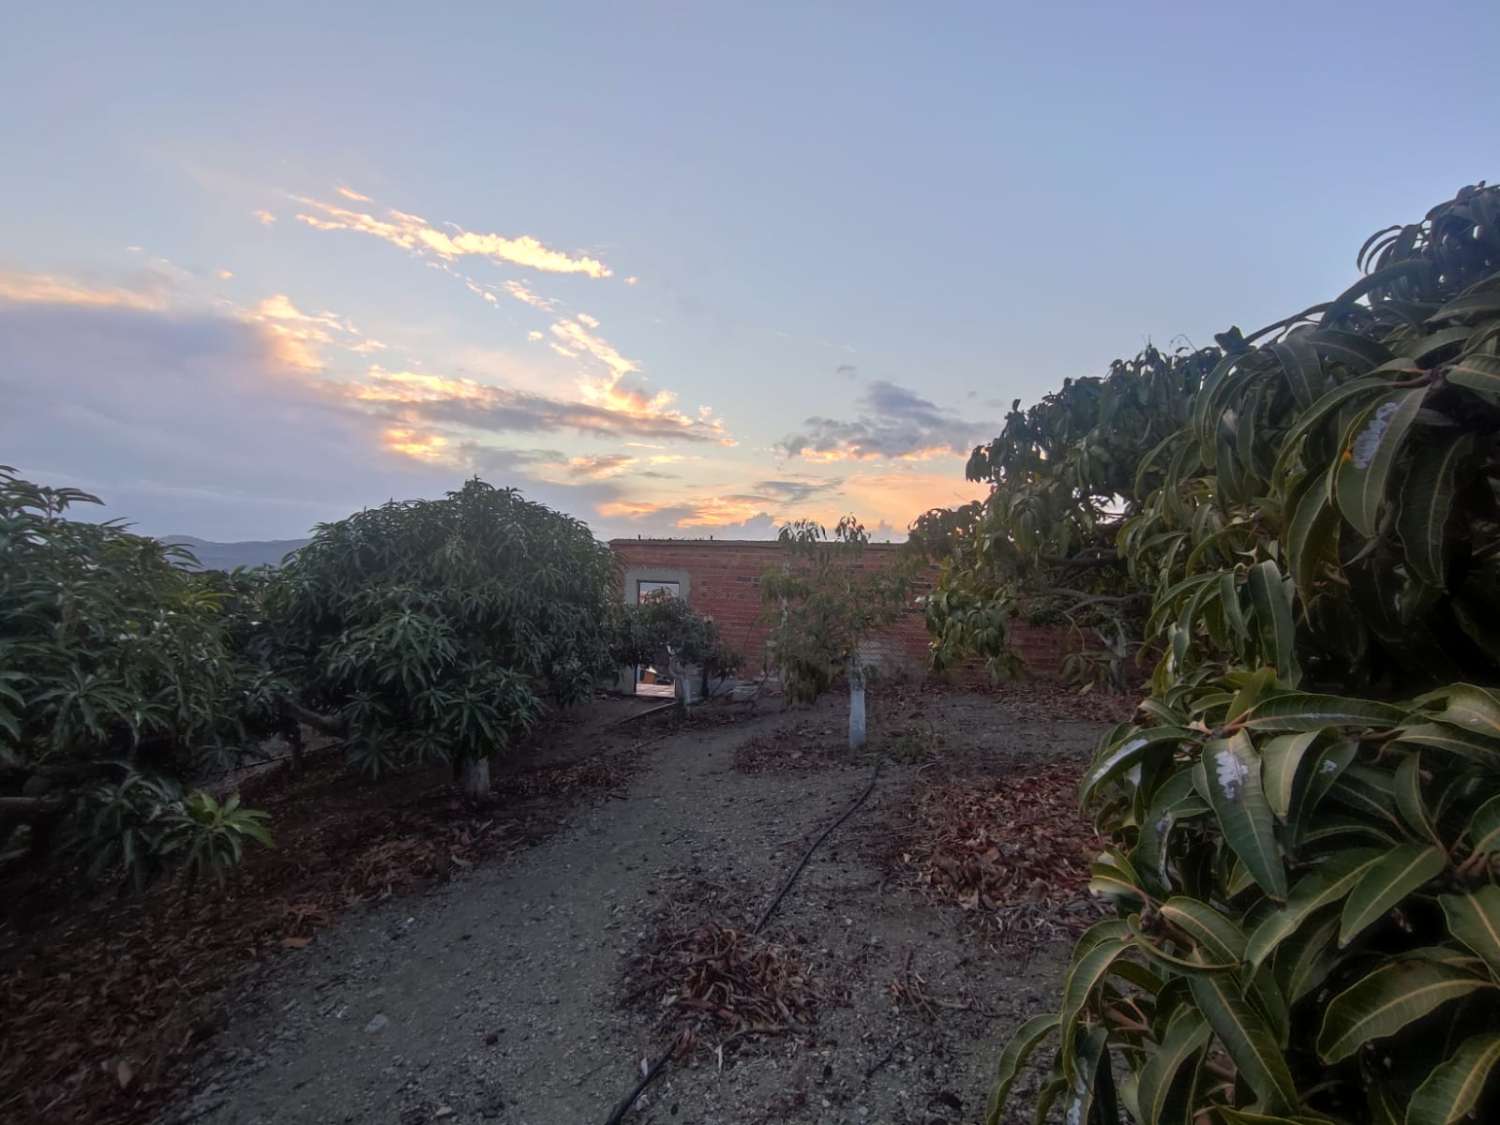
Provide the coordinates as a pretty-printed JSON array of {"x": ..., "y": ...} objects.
[{"x": 328, "y": 724}]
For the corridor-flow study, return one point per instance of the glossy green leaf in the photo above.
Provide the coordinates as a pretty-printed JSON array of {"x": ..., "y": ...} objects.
[
  {"x": 1232, "y": 771},
  {"x": 1161, "y": 1076},
  {"x": 1426, "y": 505},
  {"x": 1281, "y": 758},
  {"x": 1452, "y": 1089},
  {"x": 1325, "y": 885},
  {"x": 1474, "y": 919},
  {"x": 1301, "y": 711},
  {"x": 1386, "y": 882},
  {"x": 1244, "y": 1034},
  {"x": 1116, "y": 759},
  {"x": 1220, "y": 939},
  {"x": 1020, "y": 1047},
  {"x": 1386, "y": 1000},
  {"x": 1374, "y": 442},
  {"x": 1410, "y": 803},
  {"x": 1273, "y": 615}
]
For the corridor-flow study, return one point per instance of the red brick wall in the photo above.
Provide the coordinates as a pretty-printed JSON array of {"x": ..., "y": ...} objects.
[{"x": 724, "y": 583}]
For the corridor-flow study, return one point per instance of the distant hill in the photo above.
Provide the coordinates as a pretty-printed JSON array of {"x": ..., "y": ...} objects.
[{"x": 227, "y": 556}]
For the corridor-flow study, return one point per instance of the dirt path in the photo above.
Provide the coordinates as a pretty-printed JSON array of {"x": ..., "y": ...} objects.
[{"x": 497, "y": 996}]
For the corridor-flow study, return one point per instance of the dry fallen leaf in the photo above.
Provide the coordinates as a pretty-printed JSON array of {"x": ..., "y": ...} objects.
[
  {"x": 296, "y": 942},
  {"x": 125, "y": 1073}
]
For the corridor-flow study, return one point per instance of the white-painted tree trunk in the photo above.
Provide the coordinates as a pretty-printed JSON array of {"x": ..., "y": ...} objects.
[
  {"x": 476, "y": 779},
  {"x": 856, "y": 703}
]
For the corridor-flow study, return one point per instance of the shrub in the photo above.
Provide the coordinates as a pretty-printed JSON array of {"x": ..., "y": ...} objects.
[{"x": 1303, "y": 823}]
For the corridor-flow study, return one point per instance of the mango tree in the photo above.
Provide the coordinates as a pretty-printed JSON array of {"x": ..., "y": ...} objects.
[
  {"x": 436, "y": 630},
  {"x": 1303, "y": 826},
  {"x": 823, "y": 601},
  {"x": 119, "y": 685}
]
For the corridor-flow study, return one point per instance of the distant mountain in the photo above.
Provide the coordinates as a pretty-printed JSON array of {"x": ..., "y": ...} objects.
[{"x": 227, "y": 556}]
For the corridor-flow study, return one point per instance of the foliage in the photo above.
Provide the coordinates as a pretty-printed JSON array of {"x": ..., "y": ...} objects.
[
  {"x": 1303, "y": 824},
  {"x": 661, "y": 622},
  {"x": 114, "y": 664},
  {"x": 822, "y": 601},
  {"x": 435, "y": 630}
]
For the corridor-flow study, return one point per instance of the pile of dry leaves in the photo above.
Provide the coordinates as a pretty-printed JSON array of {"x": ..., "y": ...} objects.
[
  {"x": 1013, "y": 850},
  {"x": 713, "y": 980},
  {"x": 104, "y": 1000},
  {"x": 798, "y": 748}
]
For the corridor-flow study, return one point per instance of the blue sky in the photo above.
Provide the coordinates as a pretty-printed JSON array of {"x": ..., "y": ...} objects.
[{"x": 676, "y": 269}]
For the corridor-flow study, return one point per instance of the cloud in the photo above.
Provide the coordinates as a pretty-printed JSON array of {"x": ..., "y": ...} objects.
[
  {"x": 263, "y": 217},
  {"x": 424, "y": 401},
  {"x": 193, "y": 422},
  {"x": 847, "y": 370},
  {"x": 632, "y": 280},
  {"x": 350, "y": 193},
  {"x": 417, "y": 235},
  {"x": 534, "y": 335},
  {"x": 526, "y": 296},
  {"x": 575, "y": 336},
  {"x": 297, "y": 336},
  {"x": 48, "y": 289},
  {"x": 224, "y": 275},
  {"x": 893, "y": 422}
]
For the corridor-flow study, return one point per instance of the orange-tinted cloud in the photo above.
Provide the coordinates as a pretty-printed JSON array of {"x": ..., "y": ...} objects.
[
  {"x": 296, "y": 337},
  {"x": 416, "y": 234},
  {"x": 49, "y": 289},
  {"x": 263, "y": 217}
]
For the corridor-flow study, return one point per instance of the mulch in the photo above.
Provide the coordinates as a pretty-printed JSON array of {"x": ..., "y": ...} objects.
[{"x": 107, "y": 999}]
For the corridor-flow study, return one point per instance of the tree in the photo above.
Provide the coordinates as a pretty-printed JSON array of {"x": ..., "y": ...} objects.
[
  {"x": 117, "y": 684},
  {"x": 661, "y": 622},
  {"x": 1304, "y": 832},
  {"x": 435, "y": 630},
  {"x": 823, "y": 600}
]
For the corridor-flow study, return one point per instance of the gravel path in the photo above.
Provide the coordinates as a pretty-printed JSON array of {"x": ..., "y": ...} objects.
[{"x": 496, "y": 996}]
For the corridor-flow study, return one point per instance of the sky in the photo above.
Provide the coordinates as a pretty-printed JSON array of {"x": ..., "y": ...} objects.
[{"x": 674, "y": 269}]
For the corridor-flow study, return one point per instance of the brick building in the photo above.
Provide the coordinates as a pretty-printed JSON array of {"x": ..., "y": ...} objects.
[{"x": 720, "y": 578}]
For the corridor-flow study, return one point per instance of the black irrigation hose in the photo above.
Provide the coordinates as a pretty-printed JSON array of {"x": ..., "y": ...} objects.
[
  {"x": 796, "y": 871},
  {"x": 661, "y": 1062}
]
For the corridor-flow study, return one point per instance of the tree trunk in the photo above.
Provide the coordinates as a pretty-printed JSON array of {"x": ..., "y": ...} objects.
[
  {"x": 476, "y": 779},
  {"x": 856, "y": 703}
]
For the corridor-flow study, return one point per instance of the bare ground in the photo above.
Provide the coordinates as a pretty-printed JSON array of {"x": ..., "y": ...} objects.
[{"x": 519, "y": 991}]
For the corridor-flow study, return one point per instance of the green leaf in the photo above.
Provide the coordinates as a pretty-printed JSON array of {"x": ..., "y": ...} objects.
[
  {"x": 1426, "y": 504},
  {"x": 1373, "y": 443},
  {"x": 1386, "y": 1000},
  {"x": 1303, "y": 370},
  {"x": 1452, "y": 1089},
  {"x": 1409, "y": 800},
  {"x": 1474, "y": 919},
  {"x": 1312, "y": 536},
  {"x": 1220, "y": 939},
  {"x": 1302, "y": 711},
  {"x": 1232, "y": 772},
  {"x": 1244, "y": 1034},
  {"x": 1478, "y": 372},
  {"x": 1085, "y": 973},
  {"x": 1186, "y": 1037},
  {"x": 1474, "y": 708},
  {"x": 1325, "y": 885},
  {"x": 1280, "y": 759},
  {"x": 1026, "y": 1040},
  {"x": 1273, "y": 613},
  {"x": 1454, "y": 740},
  {"x": 1484, "y": 828},
  {"x": 1386, "y": 882},
  {"x": 1116, "y": 759}
]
